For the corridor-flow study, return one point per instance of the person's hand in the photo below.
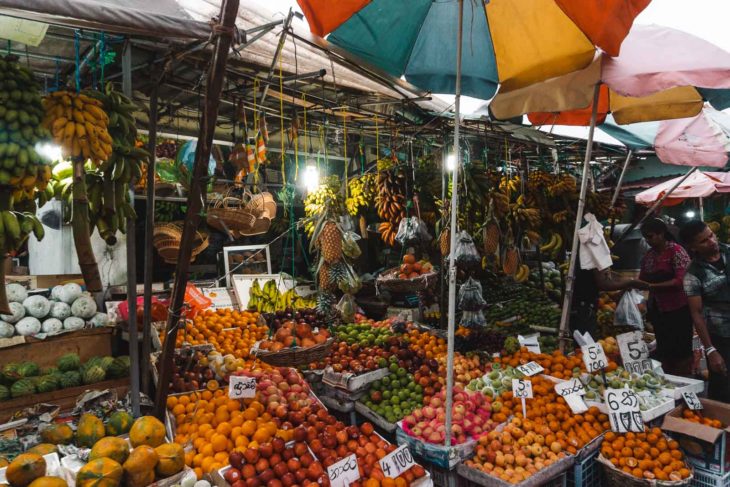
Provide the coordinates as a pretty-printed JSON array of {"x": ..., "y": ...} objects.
[
  {"x": 638, "y": 284},
  {"x": 716, "y": 363}
]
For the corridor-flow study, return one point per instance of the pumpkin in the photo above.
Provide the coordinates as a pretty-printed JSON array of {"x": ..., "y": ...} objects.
[
  {"x": 111, "y": 447},
  {"x": 89, "y": 430},
  {"x": 119, "y": 423},
  {"x": 141, "y": 459},
  {"x": 58, "y": 434},
  {"x": 171, "y": 459},
  {"x": 101, "y": 472},
  {"x": 141, "y": 479},
  {"x": 25, "y": 469},
  {"x": 48, "y": 482},
  {"x": 43, "y": 449},
  {"x": 147, "y": 430}
]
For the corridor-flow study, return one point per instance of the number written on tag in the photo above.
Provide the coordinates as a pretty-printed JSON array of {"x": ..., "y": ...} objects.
[
  {"x": 594, "y": 357},
  {"x": 693, "y": 402},
  {"x": 634, "y": 352},
  {"x": 624, "y": 411},
  {"x": 522, "y": 388},
  {"x": 530, "y": 369},
  {"x": 344, "y": 472},
  {"x": 241, "y": 387},
  {"x": 397, "y": 462},
  {"x": 573, "y": 391}
]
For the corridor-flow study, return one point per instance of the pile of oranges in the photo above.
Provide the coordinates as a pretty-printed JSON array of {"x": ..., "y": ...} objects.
[
  {"x": 229, "y": 331},
  {"x": 648, "y": 455},
  {"x": 425, "y": 345},
  {"x": 555, "y": 364},
  {"x": 214, "y": 426},
  {"x": 517, "y": 452},
  {"x": 698, "y": 417},
  {"x": 550, "y": 416}
]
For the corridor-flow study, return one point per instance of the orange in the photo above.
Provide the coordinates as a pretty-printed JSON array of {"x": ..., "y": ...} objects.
[{"x": 250, "y": 413}]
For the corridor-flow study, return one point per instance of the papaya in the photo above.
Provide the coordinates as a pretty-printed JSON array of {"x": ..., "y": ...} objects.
[
  {"x": 89, "y": 430},
  {"x": 25, "y": 469},
  {"x": 4, "y": 462},
  {"x": 147, "y": 430},
  {"x": 171, "y": 459},
  {"x": 111, "y": 447},
  {"x": 43, "y": 449},
  {"x": 101, "y": 472},
  {"x": 141, "y": 479},
  {"x": 141, "y": 459},
  {"x": 57, "y": 434},
  {"x": 119, "y": 423},
  {"x": 48, "y": 482}
]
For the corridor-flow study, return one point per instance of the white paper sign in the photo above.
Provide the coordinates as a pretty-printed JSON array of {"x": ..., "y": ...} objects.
[
  {"x": 530, "y": 342},
  {"x": 397, "y": 462},
  {"x": 594, "y": 357},
  {"x": 693, "y": 402},
  {"x": 634, "y": 352},
  {"x": 573, "y": 391},
  {"x": 241, "y": 387},
  {"x": 624, "y": 411},
  {"x": 344, "y": 472},
  {"x": 522, "y": 388},
  {"x": 530, "y": 369}
]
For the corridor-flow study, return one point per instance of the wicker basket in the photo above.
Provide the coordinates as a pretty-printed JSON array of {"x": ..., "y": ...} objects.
[
  {"x": 619, "y": 477},
  {"x": 261, "y": 204},
  {"x": 166, "y": 239},
  {"x": 228, "y": 215},
  {"x": 389, "y": 281},
  {"x": 293, "y": 357}
]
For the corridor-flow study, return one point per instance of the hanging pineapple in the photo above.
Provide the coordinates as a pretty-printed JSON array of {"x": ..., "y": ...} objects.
[{"x": 330, "y": 243}]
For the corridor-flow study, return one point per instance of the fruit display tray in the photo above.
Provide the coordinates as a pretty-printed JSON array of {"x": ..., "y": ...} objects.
[
  {"x": 648, "y": 415},
  {"x": 683, "y": 384},
  {"x": 619, "y": 477},
  {"x": 375, "y": 418},
  {"x": 541, "y": 478},
  {"x": 439, "y": 455},
  {"x": 351, "y": 382}
]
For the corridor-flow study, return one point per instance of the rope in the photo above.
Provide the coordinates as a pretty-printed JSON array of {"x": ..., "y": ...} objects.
[
  {"x": 255, "y": 132},
  {"x": 377, "y": 139},
  {"x": 77, "y": 43},
  {"x": 344, "y": 123},
  {"x": 102, "y": 56},
  {"x": 281, "y": 123},
  {"x": 304, "y": 98}
]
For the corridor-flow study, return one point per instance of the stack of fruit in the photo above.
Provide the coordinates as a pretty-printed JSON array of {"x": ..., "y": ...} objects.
[
  {"x": 424, "y": 344},
  {"x": 190, "y": 371},
  {"x": 362, "y": 193},
  {"x": 166, "y": 149},
  {"x": 293, "y": 334},
  {"x": 344, "y": 358},
  {"x": 494, "y": 383},
  {"x": 700, "y": 418},
  {"x": 466, "y": 367},
  {"x": 229, "y": 331},
  {"x": 556, "y": 364},
  {"x": 362, "y": 334},
  {"x": 394, "y": 396},
  {"x": 390, "y": 200},
  {"x": 27, "y": 378},
  {"x": 411, "y": 268},
  {"x": 648, "y": 386},
  {"x": 648, "y": 455}
]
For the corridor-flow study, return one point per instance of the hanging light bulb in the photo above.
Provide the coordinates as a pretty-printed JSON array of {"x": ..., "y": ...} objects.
[
  {"x": 310, "y": 178},
  {"x": 50, "y": 152},
  {"x": 451, "y": 162},
  {"x": 690, "y": 214}
]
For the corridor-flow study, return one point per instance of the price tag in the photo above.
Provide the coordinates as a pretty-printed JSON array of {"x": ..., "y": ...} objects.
[
  {"x": 594, "y": 357},
  {"x": 634, "y": 352},
  {"x": 623, "y": 411},
  {"x": 344, "y": 472},
  {"x": 530, "y": 342},
  {"x": 530, "y": 369},
  {"x": 522, "y": 388},
  {"x": 693, "y": 402},
  {"x": 573, "y": 391},
  {"x": 397, "y": 462},
  {"x": 241, "y": 387}
]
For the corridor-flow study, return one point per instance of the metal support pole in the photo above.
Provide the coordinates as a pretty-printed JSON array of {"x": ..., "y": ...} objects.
[
  {"x": 452, "y": 246},
  {"x": 149, "y": 228},
  {"x": 656, "y": 205},
  {"x": 279, "y": 47},
  {"x": 131, "y": 257},
  {"x": 621, "y": 178},
  {"x": 570, "y": 278},
  {"x": 443, "y": 311},
  {"x": 702, "y": 209},
  {"x": 214, "y": 87}
]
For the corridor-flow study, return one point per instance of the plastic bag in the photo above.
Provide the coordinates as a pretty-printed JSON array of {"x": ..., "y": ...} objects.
[
  {"x": 627, "y": 312},
  {"x": 412, "y": 229},
  {"x": 347, "y": 308},
  {"x": 470, "y": 296},
  {"x": 465, "y": 253},
  {"x": 473, "y": 319},
  {"x": 349, "y": 245}
]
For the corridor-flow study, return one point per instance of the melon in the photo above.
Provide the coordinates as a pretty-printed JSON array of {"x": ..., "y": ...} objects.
[
  {"x": 28, "y": 326},
  {"x": 73, "y": 323},
  {"x": 84, "y": 307},
  {"x": 6, "y": 329},
  {"x": 16, "y": 292},
  {"x": 72, "y": 378},
  {"x": 69, "y": 361},
  {"x": 37, "y": 306},
  {"x": 52, "y": 326},
  {"x": 93, "y": 374},
  {"x": 17, "y": 311},
  {"x": 119, "y": 367},
  {"x": 22, "y": 387},
  {"x": 60, "y": 310}
]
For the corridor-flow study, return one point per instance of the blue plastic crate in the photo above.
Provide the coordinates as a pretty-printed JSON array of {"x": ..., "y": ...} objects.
[
  {"x": 703, "y": 478},
  {"x": 587, "y": 473}
]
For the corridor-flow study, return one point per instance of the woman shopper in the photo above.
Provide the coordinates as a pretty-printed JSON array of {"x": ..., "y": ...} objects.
[{"x": 663, "y": 267}]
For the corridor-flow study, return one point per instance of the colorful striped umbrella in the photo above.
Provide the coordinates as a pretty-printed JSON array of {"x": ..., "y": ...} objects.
[{"x": 512, "y": 43}]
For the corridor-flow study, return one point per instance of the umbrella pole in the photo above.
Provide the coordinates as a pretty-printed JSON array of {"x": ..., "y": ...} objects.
[
  {"x": 452, "y": 246},
  {"x": 656, "y": 205},
  {"x": 702, "y": 209},
  {"x": 564, "y": 335},
  {"x": 621, "y": 178}
]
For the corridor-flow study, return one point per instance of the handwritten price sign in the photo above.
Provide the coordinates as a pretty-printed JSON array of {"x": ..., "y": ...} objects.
[
  {"x": 594, "y": 357},
  {"x": 397, "y": 462},
  {"x": 344, "y": 472},
  {"x": 530, "y": 342},
  {"x": 522, "y": 388},
  {"x": 530, "y": 369},
  {"x": 241, "y": 387},
  {"x": 693, "y": 402},
  {"x": 573, "y": 391},
  {"x": 624, "y": 411},
  {"x": 634, "y": 352}
]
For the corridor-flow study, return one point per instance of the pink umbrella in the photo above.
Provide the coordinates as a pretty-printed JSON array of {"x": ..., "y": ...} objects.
[
  {"x": 696, "y": 185},
  {"x": 698, "y": 141}
]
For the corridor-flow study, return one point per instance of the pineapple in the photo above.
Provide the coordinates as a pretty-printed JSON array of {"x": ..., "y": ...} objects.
[
  {"x": 511, "y": 261},
  {"x": 490, "y": 235},
  {"x": 325, "y": 280},
  {"x": 330, "y": 242},
  {"x": 445, "y": 241}
]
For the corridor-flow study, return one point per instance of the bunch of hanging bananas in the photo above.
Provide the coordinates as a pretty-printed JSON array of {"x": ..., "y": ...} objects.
[
  {"x": 20, "y": 132},
  {"x": 500, "y": 202},
  {"x": 78, "y": 124},
  {"x": 523, "y": 272},
  {"x": 599, "y": 204},
  {"x": 327, "y": 197},
  {"x": 524, "y": 217},
  {"x": 531, "y": 237},
  {"x": 561, "y": 216},
  {"x": 362, "y": 192},
  {"x": 538, "y": 180},
  {"x": 509, "y": 184},
  {"x": 16, "y": 226},
  {"x": 552, "y": 246},
  {"x": 563, "y": 184},
  {"x": 390, "y": 203}
]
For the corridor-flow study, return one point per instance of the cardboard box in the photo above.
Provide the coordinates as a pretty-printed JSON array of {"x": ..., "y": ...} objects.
[{"x": 706, "y": 447}]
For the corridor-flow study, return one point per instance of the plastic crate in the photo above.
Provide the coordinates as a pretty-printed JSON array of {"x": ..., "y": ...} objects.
[
  {"x": 587, "y": 473},
  {"x": 440, "y": 476},
  {"x": 559, "y": 481},
  {"x": 703, "y": 478}
]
